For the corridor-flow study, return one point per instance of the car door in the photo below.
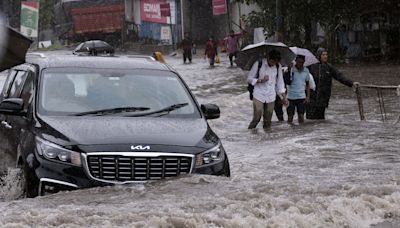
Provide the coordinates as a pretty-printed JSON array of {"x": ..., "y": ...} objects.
[
  {"x": 10, "y": 128},
  {"x": 5, "y": 144},
  {"x": 21, "y": 88}
]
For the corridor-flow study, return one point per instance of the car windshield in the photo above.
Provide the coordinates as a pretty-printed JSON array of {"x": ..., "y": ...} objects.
[
  {"x": 80, "y": 92},
  {"x": 79, "y": 47}
]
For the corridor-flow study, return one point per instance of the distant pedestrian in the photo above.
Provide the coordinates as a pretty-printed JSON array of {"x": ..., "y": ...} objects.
[
  {"x": 211, "y": 50},
  {"x": 194, "y": 49},
  {"x": 232, "y": 46},
  {"x": 187, "y": 45},
  {"x": 267, "y": 84},
  {"x": 323, "y": 72},
  {"x": 297, "y": 96}
]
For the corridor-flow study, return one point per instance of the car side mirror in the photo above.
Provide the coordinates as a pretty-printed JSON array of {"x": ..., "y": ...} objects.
[
  {"x": 210, "y": 111},
  {"x": 12, "y": 106}
]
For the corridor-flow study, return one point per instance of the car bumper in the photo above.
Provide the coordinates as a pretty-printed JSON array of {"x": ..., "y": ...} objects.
[{"x": 56, "y": 176}]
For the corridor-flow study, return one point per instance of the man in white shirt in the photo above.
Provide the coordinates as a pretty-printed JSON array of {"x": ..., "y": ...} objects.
[{"x": 267, "y": 84}]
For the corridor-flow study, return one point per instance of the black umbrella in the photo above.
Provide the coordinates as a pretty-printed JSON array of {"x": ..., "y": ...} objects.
[
  {"x": 13, "y": 48},
  {"x": 94, "y": 47},
  {"x": 251, "y": 53}
]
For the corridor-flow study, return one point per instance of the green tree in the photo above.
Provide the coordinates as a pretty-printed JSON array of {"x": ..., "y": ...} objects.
[
  {"x": 299, "y": 16},
  {"x": 46, "y": 14}
]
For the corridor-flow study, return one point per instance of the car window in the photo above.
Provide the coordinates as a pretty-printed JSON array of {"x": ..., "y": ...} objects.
[
  {"x": 105, "y": 44},
  {"x": 79, "y": 47},
  {"x": 69, "y": 91},
  {"x": 27, "y": 92},
  {"x": 6, "y": 86},
  {"x": 17, "y": 84}
]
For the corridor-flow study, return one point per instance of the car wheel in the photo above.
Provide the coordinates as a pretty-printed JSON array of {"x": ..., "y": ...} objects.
[
  {"x": 227, "y": 169},
  {"x": 30, "y": 182}
]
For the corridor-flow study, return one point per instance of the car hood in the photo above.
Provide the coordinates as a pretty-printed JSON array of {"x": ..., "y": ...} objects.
[{"x": 124, "y": 130}]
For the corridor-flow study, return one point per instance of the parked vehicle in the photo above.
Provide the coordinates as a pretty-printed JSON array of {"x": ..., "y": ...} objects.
[
  {"x": 94, "y": 47},
  {"x": 79, "y": 121},
  {"x": 94, "y": 19}
]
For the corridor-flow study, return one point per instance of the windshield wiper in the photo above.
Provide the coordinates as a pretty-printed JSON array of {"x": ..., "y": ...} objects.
[
  {"x": 112, "y": 111},
  {"x": 164, "y": 111}
]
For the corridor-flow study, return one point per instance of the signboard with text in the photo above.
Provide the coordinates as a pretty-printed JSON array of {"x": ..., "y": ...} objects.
[
  {"x": 165, "y": 10},
  {"x": 219, "y": 7},
  {"x": 150, "y": 11},
  {"x": 30, "y": 18},
  {"x": 166, "y": 37}
]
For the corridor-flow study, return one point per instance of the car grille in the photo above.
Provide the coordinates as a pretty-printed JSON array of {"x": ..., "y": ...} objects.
[{"x": 117, "y": 168}]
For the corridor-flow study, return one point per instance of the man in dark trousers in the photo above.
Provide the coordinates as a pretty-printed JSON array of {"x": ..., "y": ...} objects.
[
  {"x": 323, "y": 72},
  {"x": 278, "y": 107},
  {"x": 187, "y": 45}
]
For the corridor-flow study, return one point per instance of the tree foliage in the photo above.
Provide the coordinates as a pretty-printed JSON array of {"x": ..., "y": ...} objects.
[
  {"x": 46, "y": 18},
  {"x": 299, "y": 16}
]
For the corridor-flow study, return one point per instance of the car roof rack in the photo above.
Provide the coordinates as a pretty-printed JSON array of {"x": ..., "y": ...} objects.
[
  {"x": 141, "y": 56},
  {"x": 36, "y": 54}
]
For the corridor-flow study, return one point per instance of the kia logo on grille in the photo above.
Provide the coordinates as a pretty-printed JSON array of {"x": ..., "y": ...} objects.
[{"x": 140, "y": 147}]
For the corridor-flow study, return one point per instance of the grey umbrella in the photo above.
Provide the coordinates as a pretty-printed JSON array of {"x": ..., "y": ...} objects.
[
  {"x": 13, "y": 47},
  {"x": 94, "y": 47},
  {"x": 251, "y": 53},
  {"x": 309, "y": 57}
]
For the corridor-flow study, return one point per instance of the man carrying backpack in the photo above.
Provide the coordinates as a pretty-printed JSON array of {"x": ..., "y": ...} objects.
[{"x": 267, "y": 80}]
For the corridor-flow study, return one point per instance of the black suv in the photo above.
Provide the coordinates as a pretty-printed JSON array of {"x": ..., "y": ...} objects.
[{"x": 75, "y": 122}]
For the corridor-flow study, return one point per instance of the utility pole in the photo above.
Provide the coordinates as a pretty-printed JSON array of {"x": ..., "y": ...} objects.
[
  {"x": 228, "y": 9},
  {"x": 182, "y": 20},
  {"x": 279, "y": 22}
]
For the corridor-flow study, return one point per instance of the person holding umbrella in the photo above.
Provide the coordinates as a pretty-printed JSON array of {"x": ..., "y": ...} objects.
[
  {"x": 323, "y": 72},
  {"x": 267, "y": 80},
  {"x": 309, "y": 59}
]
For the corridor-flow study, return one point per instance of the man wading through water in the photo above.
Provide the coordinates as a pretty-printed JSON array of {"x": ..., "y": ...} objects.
[
  {"x": 267, "y": 84},
  {"x": 323, "y": 72},
  {"x": 298, "y": 97}
]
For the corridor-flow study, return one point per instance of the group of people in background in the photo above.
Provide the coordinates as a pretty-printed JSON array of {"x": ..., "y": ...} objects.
[
  {"x": 231, "y": 45},
  {"x": 274, "y": 88}
]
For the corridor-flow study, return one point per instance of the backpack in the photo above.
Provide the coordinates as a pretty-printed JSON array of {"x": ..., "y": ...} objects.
[
  {"x": 250, "y": 87},
  {"x": 288, "y": 76}
]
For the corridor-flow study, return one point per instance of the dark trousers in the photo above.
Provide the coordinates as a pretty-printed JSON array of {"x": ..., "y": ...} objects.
[
  {"x": 296, "y": 104},
  {"x": 315, "y": 112},
  {"x": 231, "y": 55},
  {"x": 187, "y": 54},
  {"x": 278, "y": 108}
]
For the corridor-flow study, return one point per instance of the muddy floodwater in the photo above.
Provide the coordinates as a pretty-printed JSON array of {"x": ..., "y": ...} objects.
[{"x": 340, "y": 172}]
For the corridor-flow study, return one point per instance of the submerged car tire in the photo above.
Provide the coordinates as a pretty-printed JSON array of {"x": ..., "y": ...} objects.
[
  {"x": 30, "y": 182},
  {"x": 227, "y": 169}
]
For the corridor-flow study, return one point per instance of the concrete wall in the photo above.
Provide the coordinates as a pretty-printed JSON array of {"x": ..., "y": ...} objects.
[
  {"x": 201, "y": 23},
  {"x": 240, "y": 9},
  {"x": 129, "y": 11},
  {"x": 198, "y": 19}
]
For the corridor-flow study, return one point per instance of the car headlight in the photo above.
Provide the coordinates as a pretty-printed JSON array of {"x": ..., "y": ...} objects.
[
  {"x": 55, "y": 152},
  {"x": 211, "y": 156}
]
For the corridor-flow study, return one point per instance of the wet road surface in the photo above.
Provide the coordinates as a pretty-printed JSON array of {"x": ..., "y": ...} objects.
[{"x": 340, "y": 172}]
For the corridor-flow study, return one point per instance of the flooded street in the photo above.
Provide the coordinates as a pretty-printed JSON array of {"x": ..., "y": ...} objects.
[{"x": 341, "y": 172}]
